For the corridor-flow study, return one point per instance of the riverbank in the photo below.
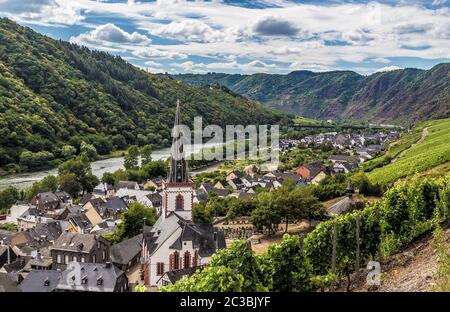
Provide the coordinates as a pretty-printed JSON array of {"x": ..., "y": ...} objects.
[{"x": 99, "y": 167}]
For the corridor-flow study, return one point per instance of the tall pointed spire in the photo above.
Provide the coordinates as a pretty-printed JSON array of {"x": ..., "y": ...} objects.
[{"x": 178, "y": 166}]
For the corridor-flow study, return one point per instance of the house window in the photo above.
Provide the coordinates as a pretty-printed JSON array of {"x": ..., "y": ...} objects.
[
  {"x": 58, "y": 259},
  {"x": 176, "y": 260},
  {"x": 66, "y": 259},
  {"x": 187, "y": 260},
  {"x": 160, "y": 268},
  {"x": 83, "y": 259},
  {"x": 104, "y": 255},
  {"x": 179, "y": 202},
  {"x": 94, "y": 258}
]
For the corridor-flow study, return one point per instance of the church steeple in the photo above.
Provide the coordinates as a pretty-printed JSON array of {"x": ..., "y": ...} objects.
[{"x": 178, "y": 166}]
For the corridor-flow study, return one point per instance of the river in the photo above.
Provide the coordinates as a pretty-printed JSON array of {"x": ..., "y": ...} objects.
[{"x": 99, "y": 167}]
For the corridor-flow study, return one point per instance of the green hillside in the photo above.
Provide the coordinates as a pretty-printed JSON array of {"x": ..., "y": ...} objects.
[
  {"x": 432, "y": 152},
  {"x": 402, "y": 95},
  {"x": 53, "y": 93}
]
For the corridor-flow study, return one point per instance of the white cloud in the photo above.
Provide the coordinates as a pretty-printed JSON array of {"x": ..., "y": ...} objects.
[
  {"x": 387, "y": 69},
  {"x": 310, "y": 35},
  {"x": 310, "y": 66},
  {"x": 194, "y": 30},
  {"x": 110, "y": 34},
  {"x": 153, "y": 64},
  {"x": 285, "y": 50},
  {"x": 250, "y": 67},
  {"x": 43, "y": 12},
  {"x": 150, "y": 52}
]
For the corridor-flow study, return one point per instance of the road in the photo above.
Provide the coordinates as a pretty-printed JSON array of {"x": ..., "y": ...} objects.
[{"x": 422, "y": 138}]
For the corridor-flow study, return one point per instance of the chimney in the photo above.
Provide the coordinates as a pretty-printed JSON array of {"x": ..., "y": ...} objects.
[{"x": 39, "y": 256}]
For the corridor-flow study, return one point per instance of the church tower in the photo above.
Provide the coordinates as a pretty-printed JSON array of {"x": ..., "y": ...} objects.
[{"x": 178, "y": 191}]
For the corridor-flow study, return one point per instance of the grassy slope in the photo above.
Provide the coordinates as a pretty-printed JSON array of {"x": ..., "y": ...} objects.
[{"x": 433, "y": 151}]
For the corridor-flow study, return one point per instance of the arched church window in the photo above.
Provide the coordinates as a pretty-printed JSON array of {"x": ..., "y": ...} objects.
[
  {"x": 176, "y": 260},
  {"x": 179, "y": 202},
  {"x": 187, "y": 260}
]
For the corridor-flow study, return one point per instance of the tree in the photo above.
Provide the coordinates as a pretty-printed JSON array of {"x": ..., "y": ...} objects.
[
  {"x": 35, "y": 160},
  {"x": 89, "y": 150},
  {"x": 200, "y": 214},
  {"x": 88, "y": 182},
  {"x": 154, "y": 169},
  {"x": 79, "y": 169},
  {"x": 48, "y": 184},
  {"x": 68, "y": 151},
  {"x": 131, "y": 160},
  {"x": 286, "y": 203},
  {"x": 146, "y": 155},
  {"x": 8, "y": 197},
  {"x": 266, "y": 215},
  {"x": 68, "y": 183},
  {"x": 133, "y": 220},
  {"x": 109, "y": 177}
]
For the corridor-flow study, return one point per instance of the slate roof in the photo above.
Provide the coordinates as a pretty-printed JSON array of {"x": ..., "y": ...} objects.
[
  {"x": 8, "y": 284},
  {"x": 80, "y": 220},
  {"x": 63, "y": 196},
  {"x": 211, "y": 189},
  {"x": 92, "y": 277},
  {"x": 342, "y": 206},
  {"x": 76, "y": 242},
  {"x": 344, "y": 158},
  {"x": 86, "y": 198},
  {"x": 127, "y": 184},
  {"x": 50, "y": 230},
  {"x": 47, "y": 197},
  {"x": 95, "y": 202},
  {"x": 176, "y": 275},
  {"x": 17, "y": 264},
  {"x": 115, "y": 204},
  {"x": 315, "y": 168},
  {"x": 201, "y": 235},
  {"x": 155, "y": 198},
  {"x": 40, "y": 281},
  {"x": 6, "y": 235},
  {"x": 125, "y": 251}
]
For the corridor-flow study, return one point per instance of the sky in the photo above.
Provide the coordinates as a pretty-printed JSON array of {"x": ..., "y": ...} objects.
[{"x": 259, "y": 36}]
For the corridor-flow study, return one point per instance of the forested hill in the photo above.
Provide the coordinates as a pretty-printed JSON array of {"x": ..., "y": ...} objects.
[
  {"x": 53, "y": 93},
  {"x": 403, "y": 95}
]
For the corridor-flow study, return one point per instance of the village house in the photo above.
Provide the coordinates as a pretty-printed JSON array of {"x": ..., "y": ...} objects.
[
  {"x": 154, "y": 184},
  {"x": 112, "y": 208},
  {"x": 314, "y": 172},
  {"x": 131, "y": 185},
  {"x": 79, "y": 247},
  {"x": 104, "y": 190}
]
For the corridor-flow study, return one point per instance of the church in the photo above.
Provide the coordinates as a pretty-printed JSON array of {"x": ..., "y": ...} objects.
[{"x": 176, "y": 242}]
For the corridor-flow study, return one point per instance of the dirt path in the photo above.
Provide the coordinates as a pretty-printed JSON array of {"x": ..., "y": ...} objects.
[
  {"x": 422, "y": 138},
  {"x": 411, "y": 270}
]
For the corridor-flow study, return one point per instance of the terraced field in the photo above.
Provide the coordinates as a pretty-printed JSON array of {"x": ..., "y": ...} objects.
[{"x": 433, "y": 151}]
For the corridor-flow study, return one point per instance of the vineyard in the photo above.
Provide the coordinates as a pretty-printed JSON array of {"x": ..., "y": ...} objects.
[
  {"x": 335, "y": 249},
  {"x": 432, "y": 152}
]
